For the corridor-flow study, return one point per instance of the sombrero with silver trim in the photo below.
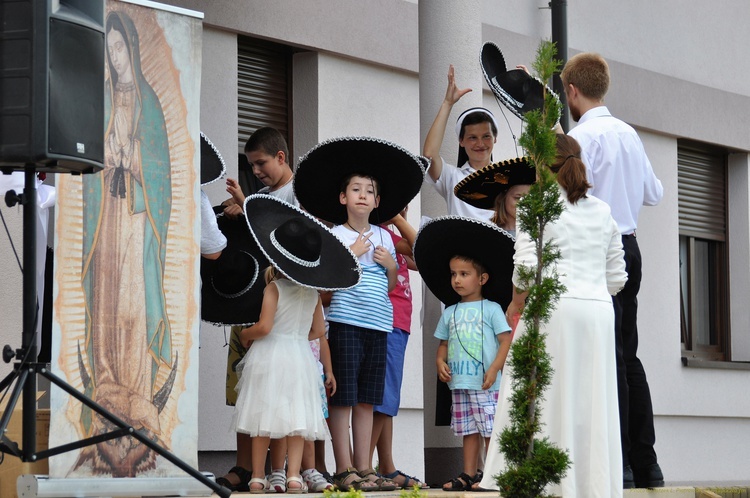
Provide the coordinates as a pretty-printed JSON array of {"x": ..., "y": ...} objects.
[
  {"x": 317, "y": 182},
  {"x": 299, "y": 246},
  {"x": 440, "y": 239},
  {"x": 232, "y": 286},
  {"x": 482, "y": 187},
  {"x": 515, "y": 89},
  {"x": 213, "y": 166}
]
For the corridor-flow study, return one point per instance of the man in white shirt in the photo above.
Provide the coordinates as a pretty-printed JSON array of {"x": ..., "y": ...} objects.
[{"x": 622, "y": 176}]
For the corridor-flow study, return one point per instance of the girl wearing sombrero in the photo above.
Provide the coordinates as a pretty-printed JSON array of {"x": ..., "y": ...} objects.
[
  {"x": 357, "y": 183},
  {"x": 280, "y": 388},
  {"x": 476, "y": 129}
]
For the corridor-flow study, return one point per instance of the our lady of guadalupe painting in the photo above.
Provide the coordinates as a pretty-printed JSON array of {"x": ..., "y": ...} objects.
[{"x": 126, "y": 302}]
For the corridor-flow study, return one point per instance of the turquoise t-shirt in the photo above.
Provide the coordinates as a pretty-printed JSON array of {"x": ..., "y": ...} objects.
[{"x": 471, "y": 329}]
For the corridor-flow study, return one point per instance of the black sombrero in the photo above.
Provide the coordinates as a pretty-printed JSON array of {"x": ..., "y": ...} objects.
[
  {"x": 317, "y": 182},
  {"x": 213, "y": 166},
  {"x": 442, "y": 238},
  {"x": 515, "y": 89},
  {"x": 232, "y": 286},
  {"x": 299, "y": 246},
  {"x": 482, "y": 187}
]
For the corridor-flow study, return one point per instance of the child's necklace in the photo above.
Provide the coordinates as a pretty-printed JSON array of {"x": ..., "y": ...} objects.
[{"x": 354, "y": 229}]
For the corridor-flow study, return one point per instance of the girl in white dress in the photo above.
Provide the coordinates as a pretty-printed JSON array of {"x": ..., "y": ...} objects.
[{"x": 279, "y": 387}]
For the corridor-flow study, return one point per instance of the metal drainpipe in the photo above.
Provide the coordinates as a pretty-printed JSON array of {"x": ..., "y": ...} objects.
[{"x": 560, "y": 38}]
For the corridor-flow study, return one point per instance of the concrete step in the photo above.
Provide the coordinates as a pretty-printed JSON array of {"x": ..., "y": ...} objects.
[{"x": 667, "y": 492}]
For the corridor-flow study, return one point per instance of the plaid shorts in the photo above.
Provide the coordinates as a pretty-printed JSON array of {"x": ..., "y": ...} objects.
[
  {"x": 473, "y": 411},
  {"x": 358, "y": 361}
]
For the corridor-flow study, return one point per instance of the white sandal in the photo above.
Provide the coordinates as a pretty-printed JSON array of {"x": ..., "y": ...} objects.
[
  {"x": 302, "y": 489},
  {"x": 259, "y": 480},
  {"x": 316, "y": 482}
]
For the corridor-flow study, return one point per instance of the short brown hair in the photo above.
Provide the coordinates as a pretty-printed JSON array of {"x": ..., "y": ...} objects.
[
  {"x": 269, "y": 141},
  {"x": 570, "y": 170},
  {"x": 589, "y": 73},
  {"x": 478, "y": 266}
]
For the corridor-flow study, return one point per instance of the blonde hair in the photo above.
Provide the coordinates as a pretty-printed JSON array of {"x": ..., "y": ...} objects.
[
  {"x": 589, "y": 73},
  {"x": 271, "y": 274}
]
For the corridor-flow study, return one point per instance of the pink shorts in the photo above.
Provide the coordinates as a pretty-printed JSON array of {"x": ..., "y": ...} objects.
[{"x": 473, "y": 412}]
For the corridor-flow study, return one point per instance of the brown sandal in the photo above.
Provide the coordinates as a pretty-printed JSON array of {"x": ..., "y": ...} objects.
[
  {"x": 383, "y": 483},
  {"x": 350, "y": 480}
]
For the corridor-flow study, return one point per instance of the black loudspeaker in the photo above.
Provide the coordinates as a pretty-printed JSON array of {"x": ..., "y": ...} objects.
[{"x": 52, "y": 85}]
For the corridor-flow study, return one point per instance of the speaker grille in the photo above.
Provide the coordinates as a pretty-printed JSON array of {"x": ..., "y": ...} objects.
[{"x": 76, "y": 114}]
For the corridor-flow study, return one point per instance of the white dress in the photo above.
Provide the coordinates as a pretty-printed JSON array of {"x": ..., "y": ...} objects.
[
  {"x": 580, "y": 410},
  {"x": 279, "y": 386}
]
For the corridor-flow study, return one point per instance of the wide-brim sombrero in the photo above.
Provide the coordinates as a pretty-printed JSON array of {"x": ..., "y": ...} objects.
[
  {"x": 515, "y": 89},
  {"x": 232, "y": 287},
  {"x": 482, "y": 187},
  {"x": 213, "y": 166},
  {"x": 440, "y": 239},
  {"x": 337, "y": 267},
  {"x": 317, "y": 182}
]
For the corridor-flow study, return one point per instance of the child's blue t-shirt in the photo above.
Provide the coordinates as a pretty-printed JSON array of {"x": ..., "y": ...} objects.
[
  {"x": 367, "y": 304},
  {"x": 471, "y": 329}
]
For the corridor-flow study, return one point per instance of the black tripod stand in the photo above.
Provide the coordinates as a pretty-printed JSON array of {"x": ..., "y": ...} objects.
[{"x": 26, "y": 368}]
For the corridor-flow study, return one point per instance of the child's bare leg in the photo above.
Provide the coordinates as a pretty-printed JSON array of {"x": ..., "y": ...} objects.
[
  {"x": 278, "y": 453},
  {"x": 308, "y": 455},
  {"x": 382, "y": 425},
  {"x": 295, "y": 448},
  {"x": 338, "y": 422},
  {"x": 362, "y": 434},
  {"x": 472, "y": 447},
  {"x": 259, "y": 451},
  {"x": 320, "y": 456}
]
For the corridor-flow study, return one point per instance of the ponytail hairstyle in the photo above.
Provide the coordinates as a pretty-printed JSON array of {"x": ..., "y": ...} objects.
[{"x": 570, "y": 170}]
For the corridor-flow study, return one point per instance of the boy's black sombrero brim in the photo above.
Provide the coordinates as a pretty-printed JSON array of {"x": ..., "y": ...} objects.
[
  {"x": 482, "y": 187},
  {"x": 320, "y": 173},
  {"x": 440, "y": 239},
  {"x": 213, "y": 166},
  {"x": 227, "y": 308},
  {"x": 338, "y": 267}
]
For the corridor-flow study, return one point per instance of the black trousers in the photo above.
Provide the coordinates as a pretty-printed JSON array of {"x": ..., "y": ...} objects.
[{"x": 636, "y": 412}]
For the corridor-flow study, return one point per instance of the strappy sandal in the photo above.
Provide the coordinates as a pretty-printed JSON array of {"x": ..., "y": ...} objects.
[
  {"x": 461, "y": 483},
  {"x": 242, "y": 474},
  {"x": 277, "y": 481},
  {"x": 383, "y": 483},
  {"x": 259, "y": 480},
  {"x": 408, "y": 481},
  {"x": 350, "y": 480},
  {"x": 295, "y": 491}
]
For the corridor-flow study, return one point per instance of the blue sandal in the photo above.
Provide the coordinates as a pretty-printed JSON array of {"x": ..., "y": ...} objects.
[{"x": 408, "y": 481}]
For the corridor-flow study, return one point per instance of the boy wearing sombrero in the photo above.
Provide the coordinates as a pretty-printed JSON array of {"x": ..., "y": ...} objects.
[
  {"x": 457, "y": 258},
  {"x": 356, "y": 184}
]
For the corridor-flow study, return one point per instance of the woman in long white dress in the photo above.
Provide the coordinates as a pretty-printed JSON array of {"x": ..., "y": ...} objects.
[{"x": 580, "y": 408}]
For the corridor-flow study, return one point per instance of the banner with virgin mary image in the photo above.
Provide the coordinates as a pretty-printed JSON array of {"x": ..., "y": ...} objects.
[{"x": 127, "y": 286}]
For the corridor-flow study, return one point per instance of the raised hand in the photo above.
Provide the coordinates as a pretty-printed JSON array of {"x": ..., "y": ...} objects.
[{"x": 453, "y": 93}]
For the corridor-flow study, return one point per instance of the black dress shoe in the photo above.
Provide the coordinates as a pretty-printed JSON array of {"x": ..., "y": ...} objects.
[
  {"x": 627, "y": 478},
  {"x": 649, "y": 476}
]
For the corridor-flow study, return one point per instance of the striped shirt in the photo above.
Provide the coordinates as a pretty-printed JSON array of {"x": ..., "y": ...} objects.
[{"x": 366, "y": 304}]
